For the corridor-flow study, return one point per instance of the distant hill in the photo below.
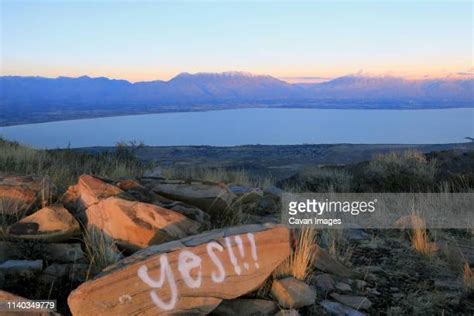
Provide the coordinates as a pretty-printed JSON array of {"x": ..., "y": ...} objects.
[{"x": 35, "y": 99}]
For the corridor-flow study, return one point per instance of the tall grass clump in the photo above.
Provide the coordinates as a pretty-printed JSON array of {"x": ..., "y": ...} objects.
[
  {"x": 419, "y": 237},
  {"x": 298, "y": 264},
  {"x": 101, "y": 251},
  {"x": 63, "y": 166},
  {"x": 11, "y": 211},
  {"x": 399, "y": 172}
]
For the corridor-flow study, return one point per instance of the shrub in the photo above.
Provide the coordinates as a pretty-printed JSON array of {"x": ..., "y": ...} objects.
[{"x": 398, "y": 172}]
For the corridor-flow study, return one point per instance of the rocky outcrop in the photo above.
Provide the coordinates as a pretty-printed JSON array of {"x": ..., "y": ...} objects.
[
  {"x": 20, "y": 194},
  {"x": 88, "y": 191},
  {"x": 52, "y": 223},
  {"x": 138, "y": 225},
  {"x": 192, "y": 275},
  {"x": 142, "y": 194},
  {"x": 209, "y": 196}
]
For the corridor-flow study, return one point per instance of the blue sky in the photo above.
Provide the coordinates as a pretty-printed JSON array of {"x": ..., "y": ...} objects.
[{"x": 158, "y": 39}]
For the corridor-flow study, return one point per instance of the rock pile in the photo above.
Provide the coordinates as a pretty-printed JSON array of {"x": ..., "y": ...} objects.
[{"x": 167, "y": 260}]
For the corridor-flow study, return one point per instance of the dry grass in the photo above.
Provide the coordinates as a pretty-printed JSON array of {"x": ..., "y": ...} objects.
[
  {"x": 101, "y": 250},
  {"x": 240, "y": 177},
  {"x": 299, "y": 263},
  {"x": 419, "y": 237},
  {"x": 317, "y": 179},
  {"x": 468, "y": 278},
  {"x": 64, "y": 166},
  {"x": 11, "y": 211}
]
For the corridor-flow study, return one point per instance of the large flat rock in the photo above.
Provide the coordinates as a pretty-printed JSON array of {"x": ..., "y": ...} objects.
[
  {"x": 206, "y": 195},
  {"x": 137, "y": 225},
  {"x": 192, "y": 275}
]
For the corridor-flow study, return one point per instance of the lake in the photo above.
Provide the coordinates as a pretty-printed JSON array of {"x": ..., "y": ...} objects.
[{"x": 254, "y": 126}]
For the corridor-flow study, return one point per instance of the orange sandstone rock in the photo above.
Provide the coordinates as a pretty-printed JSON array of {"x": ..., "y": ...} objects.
[{"x": 192, "y": 275}]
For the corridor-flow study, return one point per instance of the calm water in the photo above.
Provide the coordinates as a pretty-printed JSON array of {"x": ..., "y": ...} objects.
[{"x": 254, "y": 126}]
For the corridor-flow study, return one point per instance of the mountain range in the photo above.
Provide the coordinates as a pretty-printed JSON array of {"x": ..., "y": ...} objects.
[{"x": 36, "y": 99}]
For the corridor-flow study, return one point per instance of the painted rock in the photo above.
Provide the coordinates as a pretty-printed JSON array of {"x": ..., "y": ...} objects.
[{"x": 192, "y": 275}]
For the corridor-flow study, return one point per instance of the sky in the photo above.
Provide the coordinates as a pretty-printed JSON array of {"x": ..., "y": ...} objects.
[{"x": 296, "y": 41}]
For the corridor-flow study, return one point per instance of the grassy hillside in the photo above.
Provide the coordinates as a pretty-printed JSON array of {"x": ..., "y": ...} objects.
[{"x": 64, "y": 166}]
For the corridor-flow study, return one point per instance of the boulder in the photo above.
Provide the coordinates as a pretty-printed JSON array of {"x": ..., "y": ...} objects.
[
  {"x": 88, "y": 191},
  {"x": 321, "y": 260},
  {"x": 292, "y": 293},
  {"x": 209, "y": 196},
  {"x": 242, "y": 306},
  {"x": 356, "y": 302},
  {"x": 142, "y": 194},
  {"x": 136, "y": 225},
  {"x": 52, "y": 223},
  {"x": 192, "y": 275},
  {"x": 20, "y": 194},
  {"x": 46, "y": 251},
  {"x": 337, "y": 309}
]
